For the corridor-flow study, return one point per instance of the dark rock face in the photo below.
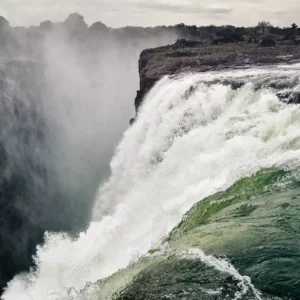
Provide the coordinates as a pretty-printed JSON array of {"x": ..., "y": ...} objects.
[
  {"x": 289, "y": 97},
  {"x": 32, "y": 199},
  {"x": 146, "y": 86},
  {"x": 132, "y": 120},
  {"x": 22, "y": 171}
]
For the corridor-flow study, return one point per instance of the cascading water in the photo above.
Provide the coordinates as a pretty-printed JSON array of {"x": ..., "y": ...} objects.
[{"x": 195, "y": 135}]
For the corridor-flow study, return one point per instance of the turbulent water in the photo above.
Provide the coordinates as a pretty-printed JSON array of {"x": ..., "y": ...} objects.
[{"x": 195, "y": 135}]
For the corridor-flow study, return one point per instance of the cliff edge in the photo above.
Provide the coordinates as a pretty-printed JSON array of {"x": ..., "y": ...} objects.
[{"x": 189, "y": 56}]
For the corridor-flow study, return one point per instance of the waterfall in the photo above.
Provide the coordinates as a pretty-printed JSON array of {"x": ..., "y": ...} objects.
[{"x": 195, "y": 135}]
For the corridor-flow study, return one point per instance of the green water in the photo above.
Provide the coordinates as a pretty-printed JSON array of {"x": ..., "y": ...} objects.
[
  {"x": 182, "y": 279},
  {"x": 255, "y": 225}
]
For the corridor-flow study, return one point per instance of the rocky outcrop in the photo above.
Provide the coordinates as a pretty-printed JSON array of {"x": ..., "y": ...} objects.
[
  {"x": 197, "y": 57},
  {"x": 21, "y": 167},
  {"x": 290, "y": 97}
]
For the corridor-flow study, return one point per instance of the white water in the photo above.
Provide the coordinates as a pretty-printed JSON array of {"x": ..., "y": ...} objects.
[
  {"x": 180, "y": 150},
  {"x": 224, "y": 266}
]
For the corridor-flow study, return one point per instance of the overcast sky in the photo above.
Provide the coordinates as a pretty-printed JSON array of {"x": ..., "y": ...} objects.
[{"x": 117, "y": 13}]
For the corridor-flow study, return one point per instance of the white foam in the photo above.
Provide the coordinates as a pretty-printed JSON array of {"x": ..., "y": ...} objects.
[{"x": 181, "y": 149}]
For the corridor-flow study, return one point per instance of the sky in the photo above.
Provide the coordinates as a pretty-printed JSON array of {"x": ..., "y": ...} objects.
[{"x": 118, "y": 13}]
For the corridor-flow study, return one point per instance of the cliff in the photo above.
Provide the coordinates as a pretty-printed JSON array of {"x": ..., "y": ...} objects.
[
  {"x": 21, "y": 133},
  {"x": 185, "y": 56},
  {"x": 32, "y": 199}
]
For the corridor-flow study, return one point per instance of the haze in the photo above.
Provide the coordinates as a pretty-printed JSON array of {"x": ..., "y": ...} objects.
[{"x": 118, "y": 13}]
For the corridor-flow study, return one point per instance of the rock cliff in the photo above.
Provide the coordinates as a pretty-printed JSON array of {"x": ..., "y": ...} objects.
[{"x": 185, "y": 56}]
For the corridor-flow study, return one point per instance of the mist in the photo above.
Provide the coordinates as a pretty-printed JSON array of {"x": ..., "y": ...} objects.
[{"x": 67, "y": 95}]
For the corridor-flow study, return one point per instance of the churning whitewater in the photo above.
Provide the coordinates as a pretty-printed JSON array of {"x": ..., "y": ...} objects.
[{"x": 195, "y": 135}]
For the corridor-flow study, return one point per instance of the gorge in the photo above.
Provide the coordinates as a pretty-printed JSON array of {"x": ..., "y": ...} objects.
[{"x": 201, "y": 200}]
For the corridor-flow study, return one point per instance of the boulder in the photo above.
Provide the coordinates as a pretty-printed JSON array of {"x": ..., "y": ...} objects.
[
  {"x": 290, "y": 97},
  {"x": 132, "y": 120},
  {"x": 268, "y": 42}
]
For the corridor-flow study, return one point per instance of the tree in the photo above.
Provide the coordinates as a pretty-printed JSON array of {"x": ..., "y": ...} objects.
[
  {"x": 294, "y": 27},
  {"x": 263, "y": 26},
  {"x": 75, "y": 23},
  {"x": 4, "y": 24},
  {"x": 46, "y": 25},
  {"x": 98, "y": 27}
]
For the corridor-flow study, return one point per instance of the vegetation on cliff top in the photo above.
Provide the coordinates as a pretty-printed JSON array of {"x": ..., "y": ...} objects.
[{"x": 16, "y": 40}]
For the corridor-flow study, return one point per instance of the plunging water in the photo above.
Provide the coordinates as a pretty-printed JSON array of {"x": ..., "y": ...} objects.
[{"x": 195, "y": 135}]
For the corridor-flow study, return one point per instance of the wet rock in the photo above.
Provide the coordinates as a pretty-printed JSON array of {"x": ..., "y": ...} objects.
[
  {"x": 132, "y": 120},
  {"x": 145, "y": 87},
  {"x": 289, "y": 97}
]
